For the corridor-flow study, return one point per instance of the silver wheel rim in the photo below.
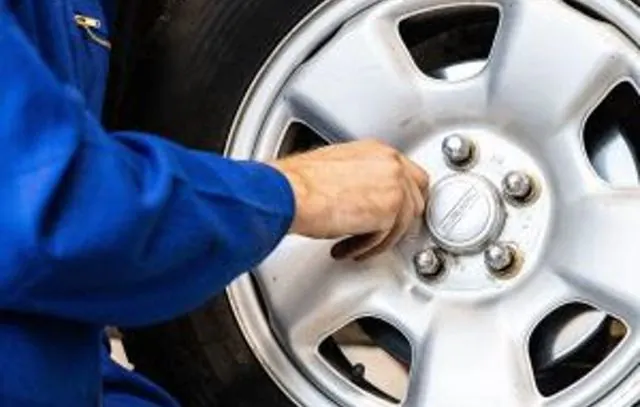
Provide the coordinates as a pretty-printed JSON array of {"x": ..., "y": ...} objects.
[{"x": 310, "y": 296}]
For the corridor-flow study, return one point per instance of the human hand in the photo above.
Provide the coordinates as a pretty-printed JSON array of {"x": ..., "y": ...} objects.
[{"x": 365, "y": 190}]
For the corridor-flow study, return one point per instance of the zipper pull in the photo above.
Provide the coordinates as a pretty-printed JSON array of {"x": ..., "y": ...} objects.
[
  {"x": 87, "y": 22},
  {"x": 90, "y": 24}
]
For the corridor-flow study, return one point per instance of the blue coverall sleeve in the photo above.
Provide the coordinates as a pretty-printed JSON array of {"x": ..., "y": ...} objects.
[{"x": 116, "y": 228}]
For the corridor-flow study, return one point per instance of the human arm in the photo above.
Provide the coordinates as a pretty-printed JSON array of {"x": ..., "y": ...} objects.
[
  {"x": 126, "y": 228},
  {"x": 116, "y": 228}
]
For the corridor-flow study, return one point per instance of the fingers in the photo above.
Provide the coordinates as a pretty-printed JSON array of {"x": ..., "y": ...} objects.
[
  {"x": 354, "y": 246},
  {"x": 403, "y": 222},
  {"x": 417, "y": 196},
  {"x": 364, "y": 247},
  {"x": 418, "y": 174},
  {"x": 382, "y": 206}
]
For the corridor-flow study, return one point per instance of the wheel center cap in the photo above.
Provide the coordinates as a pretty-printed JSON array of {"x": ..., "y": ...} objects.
[{"x": 465, "y": 213}]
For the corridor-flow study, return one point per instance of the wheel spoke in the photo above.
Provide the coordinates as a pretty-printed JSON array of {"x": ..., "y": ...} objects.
[
  {"x": 310, "y": 295},
  {"x": 362, "y": 83},
  {"x": 531, "y": 302},
  {"x": 469, "y": 358},
  {"x": 550, "y": 66},
  {"x": 597, "y": 250},
  {"x": 570, "y": 168}
]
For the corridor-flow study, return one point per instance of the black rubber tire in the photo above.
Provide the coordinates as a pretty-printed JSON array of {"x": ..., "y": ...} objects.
[{"x": 180, "y": 69}]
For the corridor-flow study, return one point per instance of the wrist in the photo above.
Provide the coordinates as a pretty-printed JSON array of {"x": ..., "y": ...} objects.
[{"x": 299, "y": 190}]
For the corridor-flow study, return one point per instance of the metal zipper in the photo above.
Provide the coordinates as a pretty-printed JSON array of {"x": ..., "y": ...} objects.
[{"x": 90, "y": 24}]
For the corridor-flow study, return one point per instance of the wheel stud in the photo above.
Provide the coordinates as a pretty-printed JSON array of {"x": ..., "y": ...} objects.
[
  {"x": 518, "y": 186},
  {"x": 458, "y": 150},
  {"x": 428, "y": 263},
  {"x": 499, "y": 258}
]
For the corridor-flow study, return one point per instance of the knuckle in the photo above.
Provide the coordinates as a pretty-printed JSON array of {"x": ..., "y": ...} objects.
[
  {"x": 387, "y": 223},
  {"x": 424, "y": 181},
  {"x": 396, "y": 169},
  {"x": 396, "y": 199},
  {"x": 395, "y": 155},
  {"x": 386, "y": 149}
]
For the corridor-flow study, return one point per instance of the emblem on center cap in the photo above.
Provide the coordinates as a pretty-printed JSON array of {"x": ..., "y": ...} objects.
[{"x": 465, "y": 213}]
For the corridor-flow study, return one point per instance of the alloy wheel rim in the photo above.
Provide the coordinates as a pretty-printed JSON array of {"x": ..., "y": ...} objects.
[{"x": 562, "y": 262}]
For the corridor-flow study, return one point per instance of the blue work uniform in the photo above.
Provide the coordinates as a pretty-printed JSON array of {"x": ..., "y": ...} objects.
[{"x": 100, "y": 228}]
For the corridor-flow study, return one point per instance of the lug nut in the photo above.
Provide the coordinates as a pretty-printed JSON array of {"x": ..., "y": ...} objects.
[
  {"x": 499, "y": 257},
  {"x": 458, "y": 150},
  {"x": 428, "y": 263},
  {"x": 518, "y": 186}
]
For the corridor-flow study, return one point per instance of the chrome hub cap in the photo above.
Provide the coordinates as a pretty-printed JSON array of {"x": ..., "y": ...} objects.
[
  {"x": 473, "y": 336},
  {"x": 464, "y": 213}
]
